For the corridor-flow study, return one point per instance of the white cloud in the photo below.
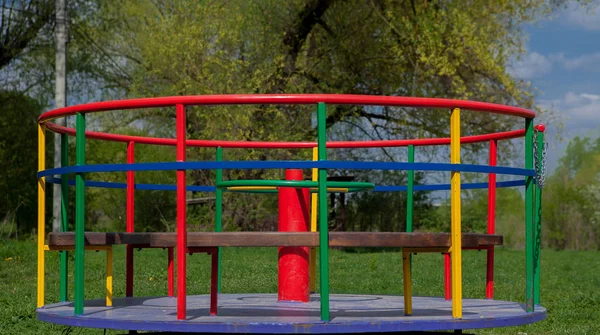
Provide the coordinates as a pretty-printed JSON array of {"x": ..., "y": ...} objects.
[
  {"x": 583, "y": 62},
  {"x": 532, "y": 65},
  {"x": 582, "y": 16},
  {"x": 578, "y": 110}
]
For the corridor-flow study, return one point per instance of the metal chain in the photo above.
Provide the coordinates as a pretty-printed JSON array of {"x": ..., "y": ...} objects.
[{"x": 540, "y": 162}]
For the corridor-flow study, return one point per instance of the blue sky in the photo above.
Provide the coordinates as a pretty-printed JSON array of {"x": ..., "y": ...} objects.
[{"x": 563, "y": 63}]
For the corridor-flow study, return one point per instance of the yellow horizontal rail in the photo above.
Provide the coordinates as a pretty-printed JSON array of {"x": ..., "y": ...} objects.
[{"x": 273, "y": 188}]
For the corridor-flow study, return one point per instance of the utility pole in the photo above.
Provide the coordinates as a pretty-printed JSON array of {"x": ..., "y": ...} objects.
[{"x": 60, "y": 98}]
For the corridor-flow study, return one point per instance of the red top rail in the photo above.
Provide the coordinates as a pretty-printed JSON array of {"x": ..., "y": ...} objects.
[
  {"x": 286, "y": 99},
  {"x": 293, "y": 145}
]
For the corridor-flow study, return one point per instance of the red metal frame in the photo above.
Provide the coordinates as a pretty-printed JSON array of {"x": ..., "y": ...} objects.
[
  {"x": 130, "y": 203},
  {"x": 293, "y": 216},
  {"x": 489, "y": 287},
  {"x": 171, "y": 273},
  {"x": 214, "y": 273},
  {"x": 491, "y": 229},
  {"x": 447, "y": 276},
  {"x": 181, "y": 214},
  {"x": 181, "y": 143},
  {"x": 292, "y": 145},
  {"x": 130, "y": 226},
  {"x": 287, "y": 99}
]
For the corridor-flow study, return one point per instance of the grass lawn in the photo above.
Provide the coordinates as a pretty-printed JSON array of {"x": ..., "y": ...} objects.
[{"x": 570, "y": 282}]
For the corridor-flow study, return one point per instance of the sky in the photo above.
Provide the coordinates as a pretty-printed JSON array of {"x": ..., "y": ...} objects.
[{"x": 563, "y": 63}]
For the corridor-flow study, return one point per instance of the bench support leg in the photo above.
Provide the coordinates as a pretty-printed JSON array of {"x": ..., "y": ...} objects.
[
  {"x": 447, "y": 276},
  {"x": 407, "y": 284},
  {"x": 170, "y": 273},
  {"x": 109, "y": 276},
  {"x": 214, "y": 281}
]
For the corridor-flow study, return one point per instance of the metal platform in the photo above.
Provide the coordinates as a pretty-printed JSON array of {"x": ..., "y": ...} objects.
[{"x": 261, "y": 313}]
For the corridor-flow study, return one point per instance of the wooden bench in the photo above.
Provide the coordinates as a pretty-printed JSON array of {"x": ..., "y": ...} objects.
[
  {"x": 58, "y": 241},
  {"x": 209, "y": 243}
]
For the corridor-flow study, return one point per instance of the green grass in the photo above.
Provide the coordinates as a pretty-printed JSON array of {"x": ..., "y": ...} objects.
[{"x": 570, "y": 282}]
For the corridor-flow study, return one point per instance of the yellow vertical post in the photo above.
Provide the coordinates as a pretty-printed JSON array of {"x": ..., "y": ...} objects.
[
  {"x": 109, "y": 276},
  {"x": 41, "y": 215},
  {"x": 455, "y": 224},
  {"x": 313, "y": 223},
  {"x": 407, "y": 283}
]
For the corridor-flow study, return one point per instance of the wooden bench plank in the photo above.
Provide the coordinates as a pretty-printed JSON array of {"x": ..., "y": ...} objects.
[{"x": 278, "y": 239}]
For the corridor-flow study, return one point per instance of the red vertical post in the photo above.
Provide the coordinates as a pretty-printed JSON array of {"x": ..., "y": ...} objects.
[
  {"x": 181, "y": 214},
  {"x": 214, "y": 280},
  {"x": 293, "y": 277},
  {"x": 447, "y": 276},
  {"x": 489, "y": 285},
  {"x": 130, "y": 216},
  {"x": 170, "y": 273}
]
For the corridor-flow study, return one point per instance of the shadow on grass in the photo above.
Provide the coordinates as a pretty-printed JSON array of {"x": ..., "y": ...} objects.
[{"x": 402, "y": 333}]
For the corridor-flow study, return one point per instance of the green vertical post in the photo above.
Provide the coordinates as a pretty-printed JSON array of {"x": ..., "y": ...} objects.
[
  {"x": 323, "y": 228},
  {"x": 409, "y": 191},
  {"x": 538, "y": 224},
  {"x": 410, "y": 195},
  {"x": 64, "y": 202},
  {"x": 79, "y": 214},
  {"x": 529, "y": 212},
  {"x": 219, "y": 214}
]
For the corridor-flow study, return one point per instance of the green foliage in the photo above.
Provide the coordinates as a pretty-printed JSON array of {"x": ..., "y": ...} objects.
[
  {"x": 385, "y": 211},
  {"x": 571, "y": 196},
  {"x": 18, "y": 162},
  {"x": 510, "y": 215},
  {"x": 154, "y": 210},
  {"x": 452, "y": 49}
]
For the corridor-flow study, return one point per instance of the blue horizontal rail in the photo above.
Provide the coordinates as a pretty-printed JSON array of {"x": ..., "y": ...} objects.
[
  {"x": 348, "y": 165},
  {"x": 191, "y": 188}
]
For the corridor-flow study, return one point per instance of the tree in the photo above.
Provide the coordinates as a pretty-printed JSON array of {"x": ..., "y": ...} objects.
[
  {"x": 452, "y": 49},
  {"x": 27, "y": 53},
  {"x": 571, "y": 219},
  {"x": 20, "y": 25},
  {"x": 18, "y": 161}
]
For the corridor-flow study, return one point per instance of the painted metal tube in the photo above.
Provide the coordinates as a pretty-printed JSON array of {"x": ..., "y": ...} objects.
[
  {"x": 410, "y": 199},
  {"x": 41, "y": 227},
  {"x": 538, "y": 224},
  {"x": 529, "y": 212},
  {"x": 491, "y": 222},
  {"x": 214, "y": 281},
  {"x": 64, "y": 218},
  {"x": 288, "y": 99},
  {"x": 293, "y": 269},
  {"x": 313, "y": 223},
  {"x": 407, "y": 283},
  {"x": 447, "y": 276},
  {"x": 455, "y": 228},
  {"x": 290, "y": 145},
  {"x": 130, "y": 219},
  {"x": 79, "y": 215},
  {"x": 323, "y": 209},
  {"x": 219, "y": 215},
  {"x": 171, "y": 273},
  {"x": 181, "y": 214},
  {"x": 410, "y": 191},
  {"x": 109, "y": 276}
]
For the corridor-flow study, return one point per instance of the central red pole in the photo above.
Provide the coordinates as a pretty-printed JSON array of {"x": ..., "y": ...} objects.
[{"x": 293, "y": 261}]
